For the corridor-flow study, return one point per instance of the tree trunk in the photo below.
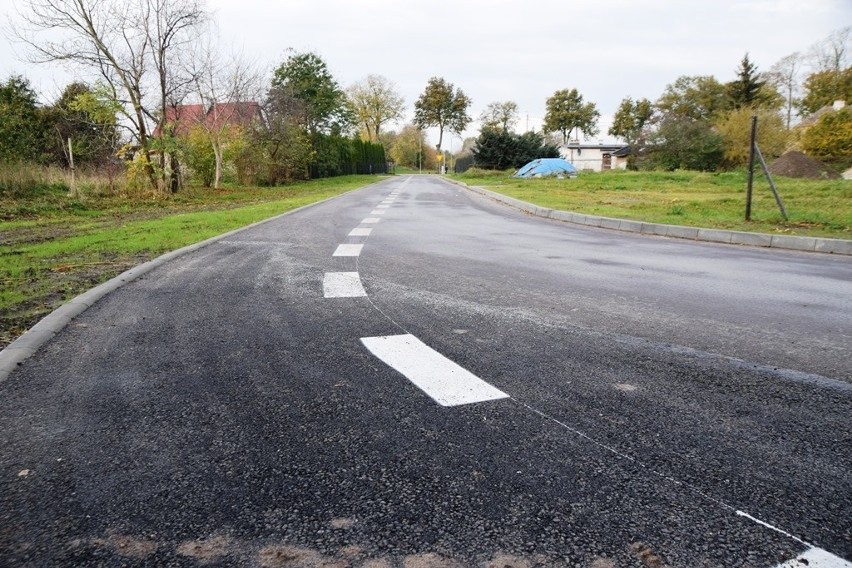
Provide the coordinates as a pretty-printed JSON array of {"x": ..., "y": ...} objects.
[{"x": 217, "y": 152}]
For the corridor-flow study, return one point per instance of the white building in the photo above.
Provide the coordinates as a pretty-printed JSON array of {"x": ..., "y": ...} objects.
[{"x": 596, "y": 157}]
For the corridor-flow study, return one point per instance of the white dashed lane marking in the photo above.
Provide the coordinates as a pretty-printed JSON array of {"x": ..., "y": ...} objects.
[
  {"x": 348, "y": 250},
  {"x": 816, "y": 558},
  {"x": 342, "y": 285},
  {"x": 449, "y": 384},
  {"x": 444, "y": 381}
]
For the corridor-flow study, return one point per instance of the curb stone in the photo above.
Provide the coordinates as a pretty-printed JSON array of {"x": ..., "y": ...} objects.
[
  {"x": 784, "y": 242},
  {"x": 27, "y": 344}
]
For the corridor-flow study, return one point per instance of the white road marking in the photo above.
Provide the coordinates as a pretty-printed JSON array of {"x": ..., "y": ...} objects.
[
  {"x": 342, "y": 285},
  {"x": 359, "y": 232},
  {"x": 816, "y": 558},
  {"x": 377, "y": 212},
  {"x": 369, "y": 220},
  {"x": 444, "y": 381},
  {"x": 348, "y": 250},
  {"x": 381, "y": 206}
]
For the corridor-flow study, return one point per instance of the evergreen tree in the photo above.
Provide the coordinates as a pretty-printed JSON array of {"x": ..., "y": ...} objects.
[
  {"x": 499, "y": 149},
  {"x": 744, "y": 91}
]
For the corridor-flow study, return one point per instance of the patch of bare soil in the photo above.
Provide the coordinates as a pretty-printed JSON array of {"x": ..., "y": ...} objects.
[
  {"x": 286, "y": 556},
  {"x": 57, "y": 286},
  {"x": 429, "y": 560},
  {"x": 205, "y": 551},
  {"x": 795, "y": 164},
  {"x": 644, "y": 553},
  {"x": 128, "y": 545}
]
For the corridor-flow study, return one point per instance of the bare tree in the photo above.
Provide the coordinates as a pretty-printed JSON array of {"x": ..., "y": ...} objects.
[
  {"x": 499, "y": 116},
  {"x": 118, "y": 42},
  {"x": 832, "y": 53},
  {"x": 171, "y": 27},
  {"x": 228, "y": 88},
  {"x": 784, "y": 76}
]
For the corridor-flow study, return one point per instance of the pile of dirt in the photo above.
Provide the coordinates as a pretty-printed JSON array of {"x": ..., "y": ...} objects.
[{"x": 794, "y": 164}]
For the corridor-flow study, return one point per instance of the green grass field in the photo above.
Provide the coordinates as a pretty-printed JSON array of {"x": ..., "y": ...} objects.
[
  {"x": 817, "y": 208},
  {"x": 53, "y": 247}
]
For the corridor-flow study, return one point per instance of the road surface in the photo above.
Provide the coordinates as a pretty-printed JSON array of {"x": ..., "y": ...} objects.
[{"x": 412, "y": 375}]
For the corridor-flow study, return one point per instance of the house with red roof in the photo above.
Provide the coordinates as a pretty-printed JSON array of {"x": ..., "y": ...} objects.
[{"x": 183, "y": 118}]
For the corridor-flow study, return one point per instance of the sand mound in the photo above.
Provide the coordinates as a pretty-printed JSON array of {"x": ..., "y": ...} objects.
[{"x": 796, "y": 165}]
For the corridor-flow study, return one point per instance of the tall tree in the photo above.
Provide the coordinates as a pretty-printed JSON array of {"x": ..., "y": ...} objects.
[
  {"x": 442, "y": 105},
  {"x": 324, "y": 104},
  {"x": 171, "y": 28},
  {"x": 286, "y": 147},
  {"x": 119, "y": 43},
  {"x": 22, "y": 128},
  {"x": 784, "y": 76},
  {"x": 743, "y": 91},
  {"x": 566, "y": 112},
  {"x": 630, "y": 119},
  {"x": 376, "y": 102},
  {"x": 694, "y": 97},
  {"x": 499, "y": 116}
]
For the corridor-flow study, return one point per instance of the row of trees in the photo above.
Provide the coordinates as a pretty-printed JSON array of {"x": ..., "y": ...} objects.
[
  {"x": 699, "y": 122},
  {"x": 152, "y": 58},
  {"x": 159, "y": 55}
]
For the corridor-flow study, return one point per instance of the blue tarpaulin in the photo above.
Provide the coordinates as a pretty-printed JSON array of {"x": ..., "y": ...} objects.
[{"x": 544, "y": 167}]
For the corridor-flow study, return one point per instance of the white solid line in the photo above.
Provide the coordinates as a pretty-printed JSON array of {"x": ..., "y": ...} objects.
[
  {"x": 348, "y": 250},
  {"x": 444, "y": 381},
  {"x": 342, "y": 285},
  {"x": 359, "y": 232},
  {"x": 369, "y": 220},
  {"x": 816, "y": 558},
  {"x": 377, "y": 212}
]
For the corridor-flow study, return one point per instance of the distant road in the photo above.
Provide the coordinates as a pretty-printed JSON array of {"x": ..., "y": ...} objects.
[{"x": 412, "y": 375}]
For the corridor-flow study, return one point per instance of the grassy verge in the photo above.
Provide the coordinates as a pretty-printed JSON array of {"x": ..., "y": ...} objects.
[
  {"x": 53, "y": 247},
  {"x": 817, "y": 208}
]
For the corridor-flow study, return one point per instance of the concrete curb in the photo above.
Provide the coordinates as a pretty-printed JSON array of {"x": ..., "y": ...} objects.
[
  {"x": 27, "y": 344},
  {"x": 785, "y": 242}
]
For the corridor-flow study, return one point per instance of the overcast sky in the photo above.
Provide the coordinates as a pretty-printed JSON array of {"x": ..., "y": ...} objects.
[{"x": 499, "y": 50}]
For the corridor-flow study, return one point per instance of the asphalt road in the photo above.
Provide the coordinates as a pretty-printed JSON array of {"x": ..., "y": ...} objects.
[{"x": 631, "y": 400}]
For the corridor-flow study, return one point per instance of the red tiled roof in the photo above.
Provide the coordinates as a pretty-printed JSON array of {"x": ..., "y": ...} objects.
[{"x": 184, "y": 117}]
